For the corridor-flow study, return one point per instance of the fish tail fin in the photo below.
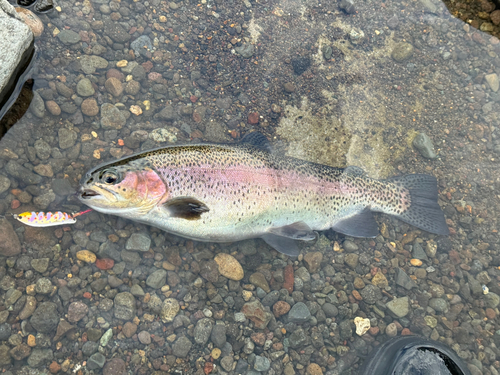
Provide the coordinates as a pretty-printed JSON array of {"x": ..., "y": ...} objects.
[{"x": 424, "y": 211}]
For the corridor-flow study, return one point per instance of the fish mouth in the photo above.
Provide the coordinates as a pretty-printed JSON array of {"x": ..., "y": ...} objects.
[{"x": 88, "y": 193}]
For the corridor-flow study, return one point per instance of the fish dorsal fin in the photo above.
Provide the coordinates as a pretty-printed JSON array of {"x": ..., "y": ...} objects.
[
  {"x": 354, "y": 171},
  {"x": 282, "y": 244},
  {"x": 257, "y": 140},
  {"x": 360, "y": 224},
  {"x": 188, "y": 208},
  {"x": 296, "y": 231}
]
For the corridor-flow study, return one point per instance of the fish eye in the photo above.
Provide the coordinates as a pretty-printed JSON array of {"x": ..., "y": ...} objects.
[{"x": 109, "y": 177}]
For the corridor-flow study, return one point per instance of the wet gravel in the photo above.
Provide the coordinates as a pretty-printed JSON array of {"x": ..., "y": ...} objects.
[{"x": 394, "y": 88}]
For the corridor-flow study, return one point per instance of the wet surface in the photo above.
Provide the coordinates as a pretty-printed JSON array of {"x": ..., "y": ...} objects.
[{"x": 394, "y": 88}]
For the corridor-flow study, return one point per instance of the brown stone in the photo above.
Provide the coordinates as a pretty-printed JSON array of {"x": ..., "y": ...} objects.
[
  {"x": 54, "y": 367},
  {"x": 114, "y": 86},
  {"x": 9, "y": 242},
  {"x": 380, "y": 280},
  {"x": 490, "y": 313},
  {"x": 62, "y": 329},
  {"x": 259, "y": 338},
  {"x": 129, "y": 329},
  {"x": 281, "y": 308},
  {"x": 115, "y": 73},
  {"x": 253, "y": 118},
  {"x": 289, "y": 278},
  {"x": 313, "y": 261},
  {"x": 90, "y": 107},
  {"x": 259, "y": 280},
  {"x": 495, "y": 17},
  {"x": 132, "y": 87},
  {"x": 20, "y": 352},
  {"x": 53, "y": 107},
  {"x": 256, "y": 313},
  {"x": 314, "y": 369}
]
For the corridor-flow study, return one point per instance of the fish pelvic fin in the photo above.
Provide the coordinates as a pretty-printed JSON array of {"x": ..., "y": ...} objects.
[
  {"x": 283, "y": 238},
  {"x": 424, "y": 211},
  {"x": 296, "y": 231},
  {"x": 188, "y": 208},
  {"x": 359, "y": 224},
  {"x": 284, "y": 245}
]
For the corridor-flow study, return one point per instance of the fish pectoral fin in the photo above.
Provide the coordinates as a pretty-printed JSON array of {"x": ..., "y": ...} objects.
[
  {"x": 296, "y": 231},
  {"x": 188, "y": 208},
  {"x": 257, "y": 140},
  {"x": 361, "y": 224},
  {"x": 282, "y": 244}
]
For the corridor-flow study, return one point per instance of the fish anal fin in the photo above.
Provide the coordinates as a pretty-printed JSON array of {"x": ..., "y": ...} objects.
[
  {"x": 284, "y": 245},
  {"x": 257, "y": 140},
  {"x": 360, "y": 224},
  {"x": 187, "y": 208},
  {"x": 297, "y": 231}
]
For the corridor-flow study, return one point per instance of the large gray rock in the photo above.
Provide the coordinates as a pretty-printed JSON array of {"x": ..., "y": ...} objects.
[{"x": 16, "y": 47}]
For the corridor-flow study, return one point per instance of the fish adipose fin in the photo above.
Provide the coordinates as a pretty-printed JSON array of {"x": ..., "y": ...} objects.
[
  {"x": 257, "y": 140},
  {"x": 186, "y": 208},
  {"x": 361, "y": 224},
  {"x": 424, "y": 212},
  {"x": 283, "y": 238}
]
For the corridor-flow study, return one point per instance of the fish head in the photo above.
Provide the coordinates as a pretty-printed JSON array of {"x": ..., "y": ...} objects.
[{"x": 124, "y": 190}]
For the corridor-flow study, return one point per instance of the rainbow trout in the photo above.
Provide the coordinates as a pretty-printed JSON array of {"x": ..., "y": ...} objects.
[{"x": 232, "y": 192}]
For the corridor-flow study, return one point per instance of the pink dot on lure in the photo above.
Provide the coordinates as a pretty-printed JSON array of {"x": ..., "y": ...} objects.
[{"x": 48, "y": 219}]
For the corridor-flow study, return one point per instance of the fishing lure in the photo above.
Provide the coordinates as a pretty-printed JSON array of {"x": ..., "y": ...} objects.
[{"x": 48, "y": 219}]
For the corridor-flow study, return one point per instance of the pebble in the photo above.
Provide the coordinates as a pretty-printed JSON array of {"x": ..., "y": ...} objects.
[
  {"x": 89, "y": 107},
  {"x": 112, "y": 118},
  {"x": 129, "y": 329},
  {"x": 114, "y": 86},
  {"x": 256, "y": 312},
  {"x": 301, "y": 64},
  {"x": 157, "y": 279},
  {"x": 181, "y": 347},
  {"x": 362, "y": 325},
  {"x": 227, "y": 363},
  {"x": 67, "y": 138},
  {"x": 402, "y": 279},
  {"x": 142, "y": 45},
  {"x": 40, "y": 357},
  {"x": 5, "y": 331},
  {"x": 424, "y": 145},
  {"x": 299, "y": 313},
  {"x": 259, "y": 280},
  {"x": 84, "y": 87},
  {"x": 96, "y": 361},
  {"x": 86, "y": 256},
  {"x": 352, "y": 260},
  {"x": 115, "y": 366},
  {"x": 45, "y": 318},
  {"x": 391, "y": 330},
  {"x": 229, "y": 267},
  {"x": 9, "y": 242},
  {"x": 261, "y": 363},
  {"x": 493, "y": 82},
  {"x": 53, "y": 107},
  {"x": 203, "y": 330},
  {"x": 314, "y": 369},
  {"x": 90, "y": 63},
  {"x": 76, "y": 311},
  {"x": 22, "y": 174},
  {"x": 43, "y": 286},
  {"x": 313, "y": 261},
  {"x": 169, "y": 310},
  {"x": 402, "y": 51},
  {"x": 68, "y": 37},
  {"x": 399, "y": 306},
  {"x": 218, "y": 335},
  {"x": 380, "y": 280},
  {"x": 347, "y": 6},
  {"x": 124, "y": 306},
  {"x": 144, "y": 337},
  {"x": 138, "y": 242},
  {"x": 246, "y": 50}
]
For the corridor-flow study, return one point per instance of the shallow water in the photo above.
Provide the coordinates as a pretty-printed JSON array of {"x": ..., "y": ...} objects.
[{"x": 324, "y": 85}]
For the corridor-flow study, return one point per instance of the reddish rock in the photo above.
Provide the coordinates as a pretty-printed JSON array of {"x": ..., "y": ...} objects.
[
  {"x": 281, "y": 308},
  {"x": 115, "y": 73},
  {"x": 15, "y": 204},
  {"x": 87, "y": 295},
  {"x": 289, "y": 279},
  {"x": 154, "y": 76},
  {"x": 76, "y": 311},
  {"x": 257, "y": 314},
  {"x": 105, "y": 263},
  {"x": 490, "y": 313},
  {"x": 405, "y": 332},
  {"x": 54, "y": 367},
  {"x": 454, "y": 257},
  {"x": 374, "y": 331},
  {"x": 114, "y": 86},
  {"x": 253, "y": 118},
  {"x": 129, "y": 329},
  {"x": 495, "y": 17},
  {"x": 259, "y": 338}
]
